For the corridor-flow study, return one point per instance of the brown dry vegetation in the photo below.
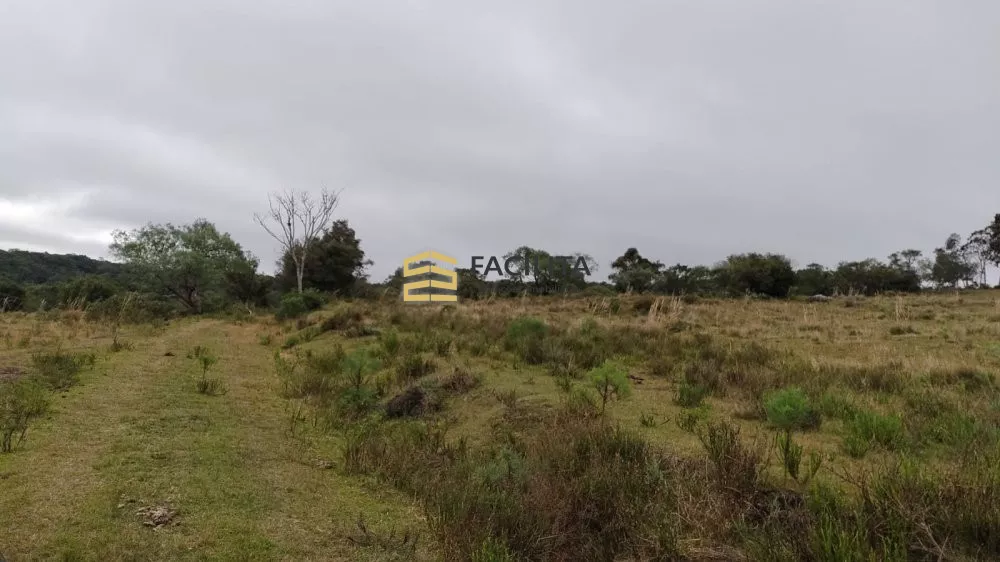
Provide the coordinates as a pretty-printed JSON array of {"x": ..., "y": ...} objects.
[{"x": 474, "y": 432}]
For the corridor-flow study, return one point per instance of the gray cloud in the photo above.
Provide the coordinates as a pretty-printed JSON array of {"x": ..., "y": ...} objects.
[{"x": 692, "y": 130}]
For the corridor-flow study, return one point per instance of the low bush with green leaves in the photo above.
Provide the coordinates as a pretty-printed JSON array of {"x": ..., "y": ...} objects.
[
  {"x": 60, "y": 370},
  {"x": 790, "y": 409},
  {"x": 21, "y": 401},
  {"x": 295, "y": 305},
  {"x": 610, "y": 380}
]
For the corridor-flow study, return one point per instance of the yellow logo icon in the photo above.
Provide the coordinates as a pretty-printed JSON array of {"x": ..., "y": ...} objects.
[{"x": 425, "y": 267}]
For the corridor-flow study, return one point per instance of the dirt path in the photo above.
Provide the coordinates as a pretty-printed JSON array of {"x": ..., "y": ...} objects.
[{"x": 136, "y": 434}]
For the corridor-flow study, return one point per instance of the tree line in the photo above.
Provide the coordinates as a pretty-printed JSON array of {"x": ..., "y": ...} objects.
[{"x": 197, "y": 268}]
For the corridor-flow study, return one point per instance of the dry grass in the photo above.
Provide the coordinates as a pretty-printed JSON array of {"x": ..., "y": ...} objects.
[{"x": 252, "y": 474}]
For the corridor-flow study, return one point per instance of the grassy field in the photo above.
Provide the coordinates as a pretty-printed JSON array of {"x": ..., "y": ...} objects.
[{"x": 625, "y": 428}]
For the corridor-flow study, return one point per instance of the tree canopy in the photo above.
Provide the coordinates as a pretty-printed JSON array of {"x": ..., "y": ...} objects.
[{"x": 188, "y": 262}]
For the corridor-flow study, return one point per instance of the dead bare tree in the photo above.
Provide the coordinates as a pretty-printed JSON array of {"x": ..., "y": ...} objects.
[{"x": 298, "y": 221}]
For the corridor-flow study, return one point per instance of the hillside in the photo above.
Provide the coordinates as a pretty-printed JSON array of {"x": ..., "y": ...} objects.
[{"x": 24, "y": 267}]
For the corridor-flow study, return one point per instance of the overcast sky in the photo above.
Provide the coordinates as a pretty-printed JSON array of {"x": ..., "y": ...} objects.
[{"x": 823, "y": 130}]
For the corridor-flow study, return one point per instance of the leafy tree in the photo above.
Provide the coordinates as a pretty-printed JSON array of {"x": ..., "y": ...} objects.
[
  {"x": 244, "y": 284},
  {"x": 610, "y": 379},
  {"x": 87, "y": 289},
  {"x": 763, "y": 274},
  {"x": 983, "y": 248},
  {"x": 336, "y": 262},
  {"x": 871, "y": 276},
  {"x": 470, "y": 284},
  {"x": 814, "y": 280},
  {"x": 11, "y": 295},
  {"x": 634, "y": 272},
  {"x": 977, "y": 250},
  {"x": 188, "y": 262},
  {"x": 542, "y": 273},
  {"x": 907, "y": 260},
  {"x": 951, "y": 265}
]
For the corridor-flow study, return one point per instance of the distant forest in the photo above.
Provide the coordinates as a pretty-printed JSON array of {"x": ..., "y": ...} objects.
[{"x": 196, "y": 268}]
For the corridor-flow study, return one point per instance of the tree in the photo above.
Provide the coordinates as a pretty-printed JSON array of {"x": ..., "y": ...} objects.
[
  {"x": 11, "y": 295},
  {"x": 297, "y": 221},
  {"x": 634, "y": 272},
  {"x": 245, "y": 285},
  {"x": 543, "y": 273},
  {"x": 336, "y": 262},
  {"x": 188, "y": 262},
  {"x": 951, "y": 266},
  {"x": 470, "y": 284},
  {"x": 814, "y": 280},
  {"x": 977, "y": 250},
  {"x": 763, "y": 274},
  {"x": 983, "y": 246},
  {"x": 905, "y": 260}
]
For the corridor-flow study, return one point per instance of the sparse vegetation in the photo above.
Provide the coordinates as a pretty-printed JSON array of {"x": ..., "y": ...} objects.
[{"x": 551, "y": 430}]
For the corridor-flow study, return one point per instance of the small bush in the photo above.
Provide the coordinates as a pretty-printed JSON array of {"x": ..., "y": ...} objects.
[
  {"x": 460, "y": 381},
  {"x": 343, "y": 319},
  {"x": 296, "y": 305},
  {"x": 410, "y": 402},
  {"x": 691, "y": 395},
  {"x": 211, "y": 386},
  {"x": 611, "y": 381},
  {"x": 414, "y": 366},
  {"x": 60, "y": 370},
  {"x": 902, "y": 330},
  {"x": 525, "y": 337},
  {"x": 21, "y": 401},
  {"x": 738, "y": 467},
  {"x": 390, "y": 343},
  {"x": 789, "y": 409}
]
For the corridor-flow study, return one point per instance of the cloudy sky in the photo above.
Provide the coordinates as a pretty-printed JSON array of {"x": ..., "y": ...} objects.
[{"x": 690, "y": 129}]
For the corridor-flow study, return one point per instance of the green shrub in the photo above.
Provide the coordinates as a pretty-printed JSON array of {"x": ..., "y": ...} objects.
[
  {"x": 414, "y": 366},
  {"x": 610, "y": 380},
  {"x": 790, "y": 409},
  {"x": 691, "y": 395},
  {"x": 525, "y": 337},
  {"x": 21, "y": 401},
  {"x": 295, "y": 305},
  {"x": 390, "y": 342},
  {"x": 60, "y": 370}
]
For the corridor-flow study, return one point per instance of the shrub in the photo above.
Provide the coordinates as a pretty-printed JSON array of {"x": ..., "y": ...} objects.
[
  {"x": 582, "y": 491},
  {"x": 21, "y": 401},
  {"x": 525, "y": 336},
  {"x": 295, "y": 305},
  {"x": 390, "y": 342},
  {"x": 691, "y": 395},
  {"x": 414, "y": 366},
  {"x": 343, "y": 319},
  {"x": 611, "y": 381},
  {"x": 60, "y": 370},
  {"x": 789, "y": 409},
  {"x": 738, "y": 468},
  {"x": 410, "y": 402}
]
